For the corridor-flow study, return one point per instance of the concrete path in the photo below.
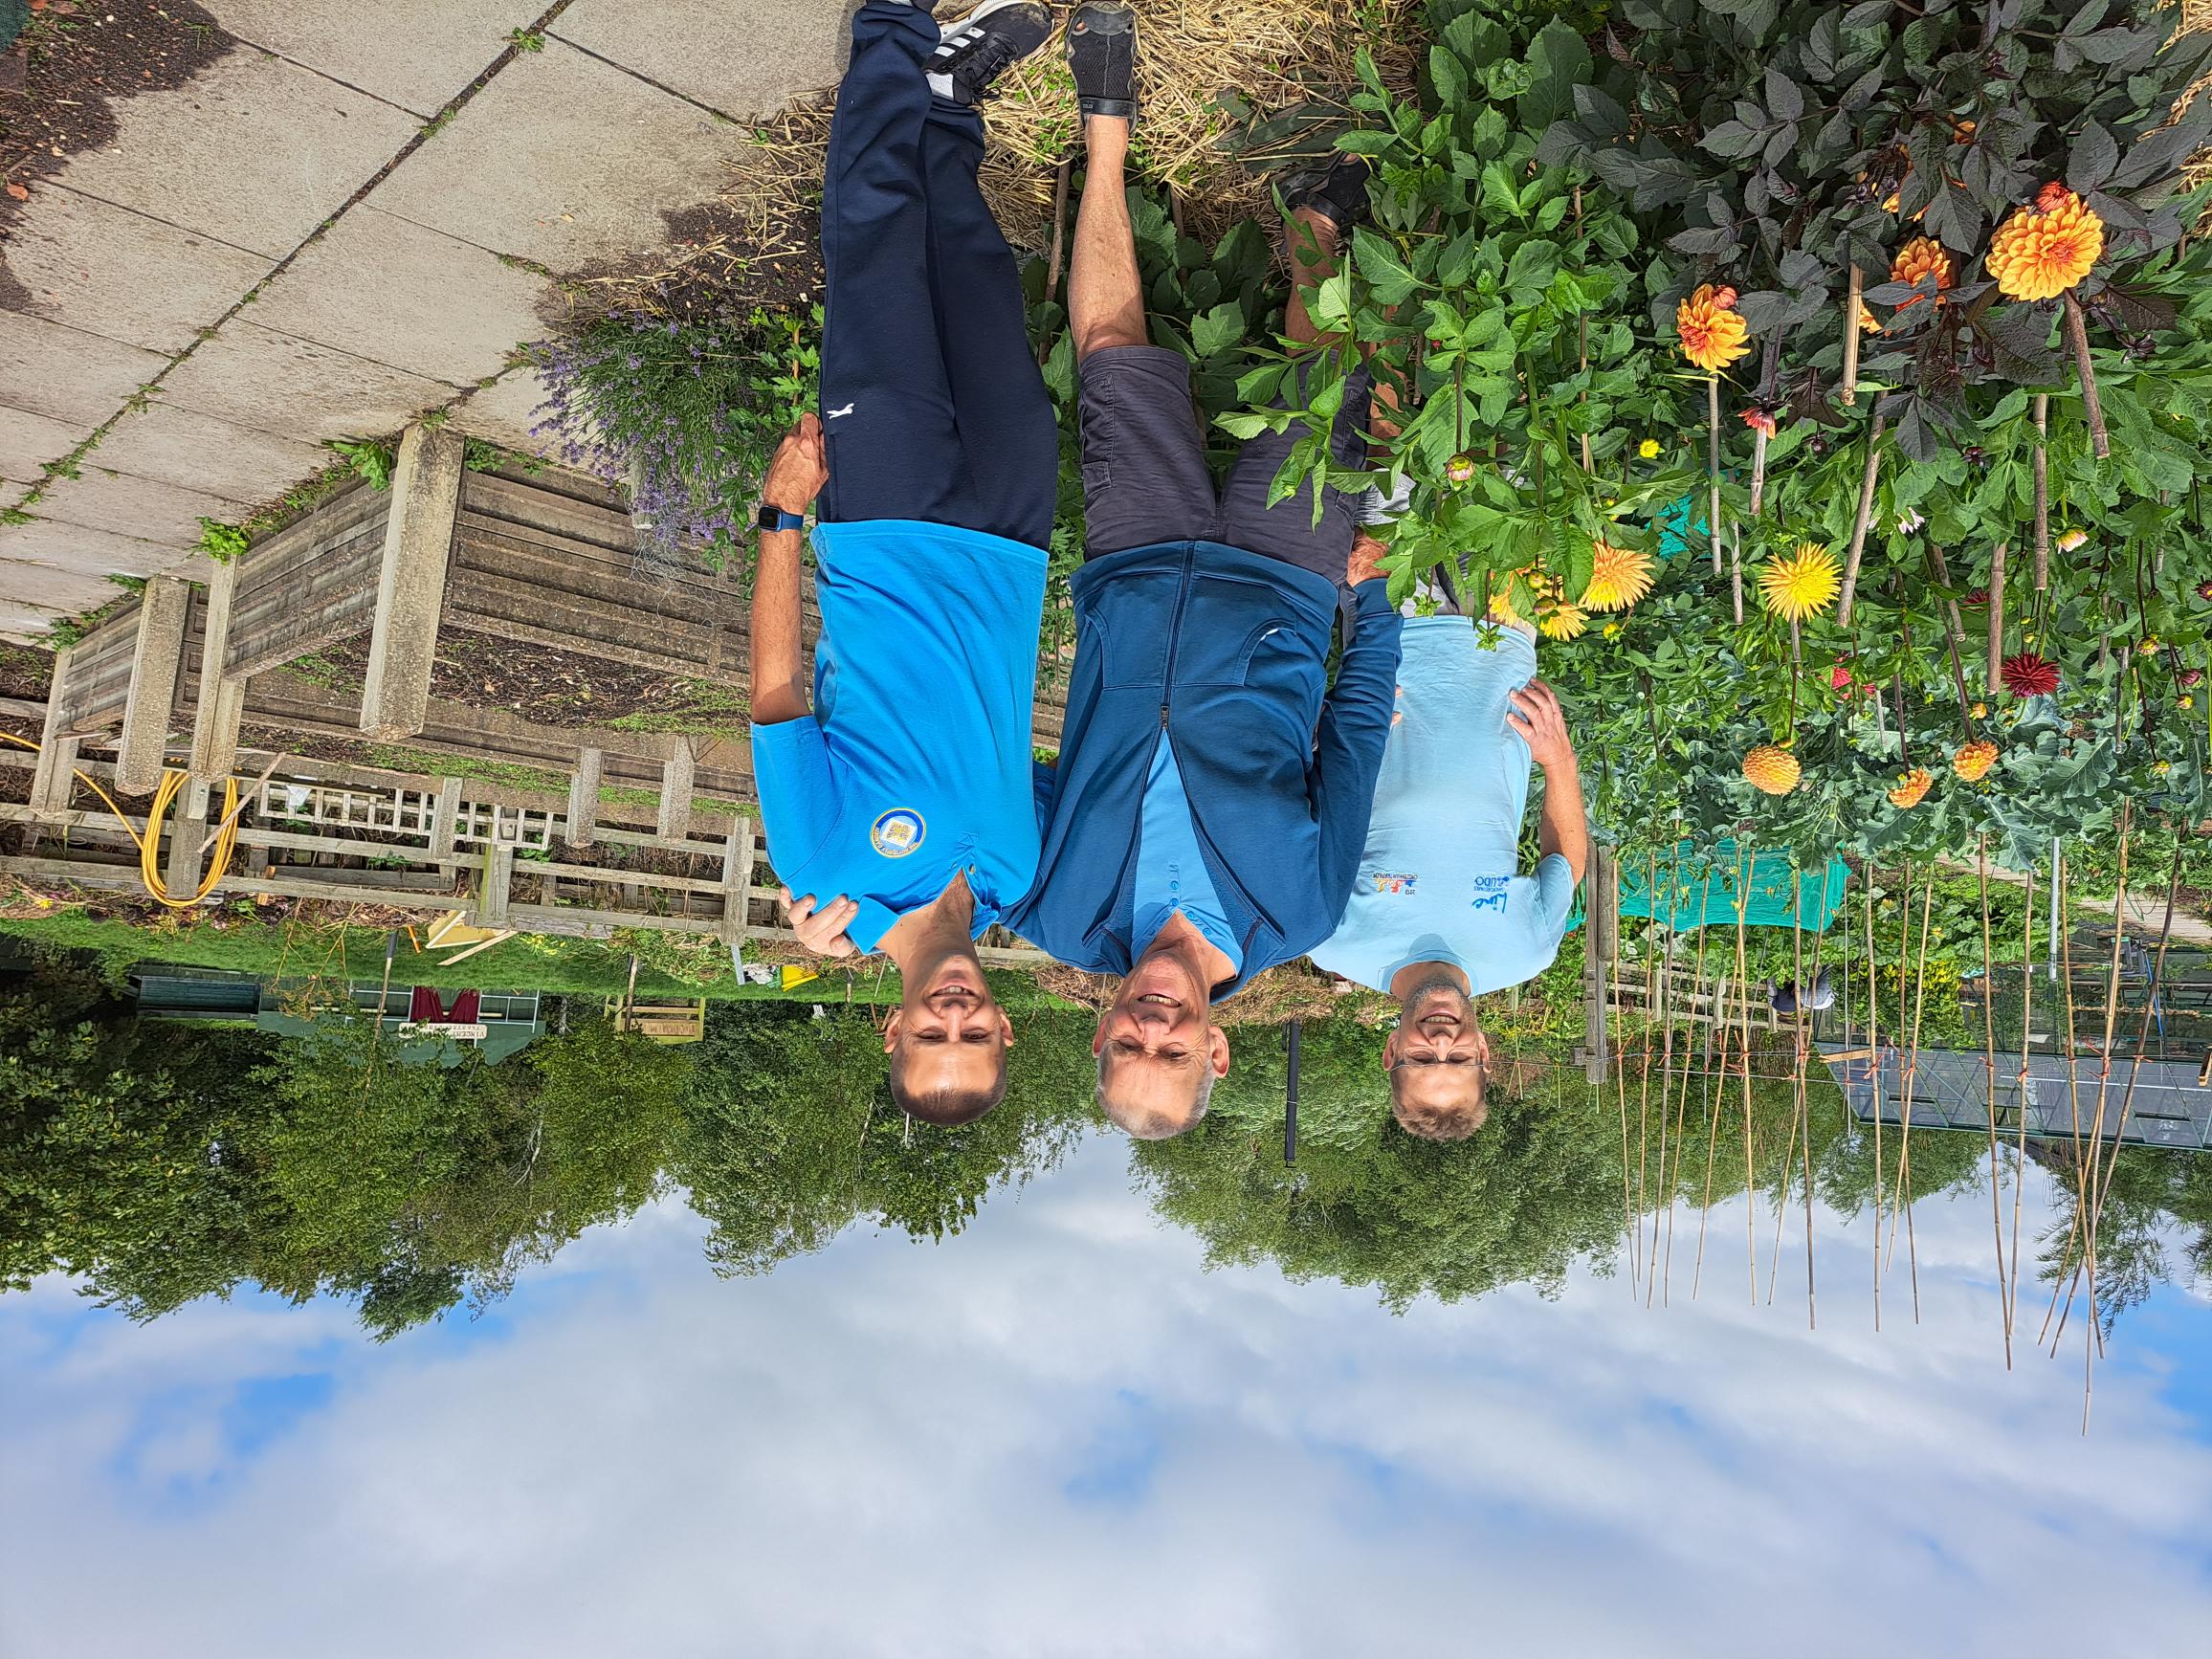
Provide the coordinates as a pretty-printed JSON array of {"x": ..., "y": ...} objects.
[{"x": 340, "y": 224}]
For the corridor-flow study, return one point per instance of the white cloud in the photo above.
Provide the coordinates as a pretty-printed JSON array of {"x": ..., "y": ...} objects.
[{"x": 874, "y": 1451}]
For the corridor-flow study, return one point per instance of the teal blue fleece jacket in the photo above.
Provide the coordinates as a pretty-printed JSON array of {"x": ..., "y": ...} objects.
[{"x": 1228, "y": 652}]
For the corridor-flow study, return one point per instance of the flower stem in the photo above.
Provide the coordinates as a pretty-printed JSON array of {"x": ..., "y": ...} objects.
[
  {"x": 1735, "y": 571},
  {"x": 1859, "y": 525},
  {"x": 1713, "y": 464},
  {"x": 2077, "y": 334},
  {"x": 1757, "y": 472}
]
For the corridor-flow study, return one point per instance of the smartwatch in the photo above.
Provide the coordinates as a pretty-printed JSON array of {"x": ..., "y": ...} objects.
[{"x": 776, "y": 518}]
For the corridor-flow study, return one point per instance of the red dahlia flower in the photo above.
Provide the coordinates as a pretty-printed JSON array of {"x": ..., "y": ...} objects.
[{"x": 2028, "y": 675}]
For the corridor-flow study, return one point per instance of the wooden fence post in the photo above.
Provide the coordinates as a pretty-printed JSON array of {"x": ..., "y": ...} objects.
[
  {"x": 51, "y": 779},
  {"x": 418, "y": 537},
  {"x": 584, "y": 797},
  {"x": 676, "y": 791},
  {"x": 221, "y": 704},
  {"x": 737, "y": 879},
  {"x": 153, "y": 684}
]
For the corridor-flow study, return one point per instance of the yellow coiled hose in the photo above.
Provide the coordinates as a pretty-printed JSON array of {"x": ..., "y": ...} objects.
[{"x": 149, "y": 841}]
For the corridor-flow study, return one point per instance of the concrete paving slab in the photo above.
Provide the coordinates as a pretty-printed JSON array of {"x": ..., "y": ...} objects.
[
  {"x": 51, "y": 589},
  {"x": 420, "y": 54},
  {"x": 564, "y": 160},
  {"x": 111, "y": 271},
  {"x": 131, "y": 506},
  {"x": 26, "y": 624},
  {"x": 276, "y": 383},
  {"x": 504, "y": 412},
  {"x": 197, "y": 452},
  {"x": 253, "y": 150},
  {"x": 82, "y": 552},
  {"x": 29, "y": 441},
  {"x": 743, "y": 60},
  {"x": 66, "y": 373},
  {"x": 392, "y": 291}
]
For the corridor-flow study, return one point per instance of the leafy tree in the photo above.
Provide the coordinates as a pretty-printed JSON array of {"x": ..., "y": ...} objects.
[{"x": 789, "y": 1136}]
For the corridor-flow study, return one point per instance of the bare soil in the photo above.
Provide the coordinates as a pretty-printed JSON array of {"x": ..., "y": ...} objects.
[
  {"x": 60, "y": 80},
  {"x": 554, "y": 688}
]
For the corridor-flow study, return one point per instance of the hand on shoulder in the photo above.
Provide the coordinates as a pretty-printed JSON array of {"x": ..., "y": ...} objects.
[
  {"x": 801, "y": 467},
  {"x": 1536, "y": 713}
]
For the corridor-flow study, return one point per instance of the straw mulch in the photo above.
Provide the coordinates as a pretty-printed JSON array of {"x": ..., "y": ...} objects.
[{"x": 1229, "y": 88}]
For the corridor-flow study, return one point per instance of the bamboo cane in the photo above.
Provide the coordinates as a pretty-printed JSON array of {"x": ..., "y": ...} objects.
[
  {"x": 1989, "y": 1110},
  {"x": 1713, "y": 465},
  {"x": 1849, "y": 391},
  {"x": 2041, "y": 462},
  {"x": 1994, "y": 680},
  {"x": 1875, "y": 1070},
  {"x": 1859, "y": 524},
  {"x": 2077, "y": 337}
]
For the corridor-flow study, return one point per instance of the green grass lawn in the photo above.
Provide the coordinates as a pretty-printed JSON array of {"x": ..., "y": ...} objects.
[{"x": 530, "y": 962}]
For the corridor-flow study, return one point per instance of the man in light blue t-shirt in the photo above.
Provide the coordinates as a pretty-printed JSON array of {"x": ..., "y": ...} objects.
[
  {"x": 1440, "y": 910},
  {"x": 899, "y": 807}
]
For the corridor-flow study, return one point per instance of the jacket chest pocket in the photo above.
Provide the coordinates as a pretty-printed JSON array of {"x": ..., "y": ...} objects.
[
  {"x": 1274, "y": 655},
  {"x": 1129, "y": 636}
]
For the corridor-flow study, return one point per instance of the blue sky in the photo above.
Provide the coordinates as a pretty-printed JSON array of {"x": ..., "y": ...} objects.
[{"x": 1058, "y": 1435}]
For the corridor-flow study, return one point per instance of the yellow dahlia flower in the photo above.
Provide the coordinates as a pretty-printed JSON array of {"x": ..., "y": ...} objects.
[
  {"x": 1711, "y": 333},
  {"x": 1619, "y": 577},
  {"x": 1973, "y": 760},
  {"x": 1562, "y": 619},
  {"x": 1920, "y": 260},
  {"x": 1775, "y": 771},
  {"x": 1869, "y": 323},
  {"x": 1649, "y": 449},
  {"x": 2043, "y": 251},
  {"x": 1802, "y": 584},
  {"x": 1911, "y": 788}
]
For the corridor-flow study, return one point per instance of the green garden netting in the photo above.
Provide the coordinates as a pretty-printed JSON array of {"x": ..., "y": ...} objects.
[{"x": 1699, "y": 886}]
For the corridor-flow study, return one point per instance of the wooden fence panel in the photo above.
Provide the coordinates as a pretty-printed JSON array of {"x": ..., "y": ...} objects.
[{"x": 310, "y": 584}]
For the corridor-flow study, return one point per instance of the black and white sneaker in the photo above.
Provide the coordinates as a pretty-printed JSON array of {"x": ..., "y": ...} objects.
[
  {"x": 1102, "y": 54},
  {"x": 977, "y": 50}
]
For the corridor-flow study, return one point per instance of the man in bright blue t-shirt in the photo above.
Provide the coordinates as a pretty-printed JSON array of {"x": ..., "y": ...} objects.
[{"x": 898, "y": 807}]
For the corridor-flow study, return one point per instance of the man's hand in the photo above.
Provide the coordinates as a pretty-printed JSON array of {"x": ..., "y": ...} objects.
[
  {"x": 1366, "y": 561},
  {"x": 1535, "y": 713},
  {"x": 821, "y": 931},
  {"x": 800, "y": 468}
]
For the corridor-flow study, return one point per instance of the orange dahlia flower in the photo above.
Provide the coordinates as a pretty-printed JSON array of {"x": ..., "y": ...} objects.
[
  {"x": 1920, "y": 260},
  {"x": 1619, "y": 577},
  {"x": 1910, "y": 787},
  {"x": 1772, "y": 769},
  {"x": 1973, "y": 760},
  {"x": 2043, "y": 251},
  {"x": 1712, "y": 333}
]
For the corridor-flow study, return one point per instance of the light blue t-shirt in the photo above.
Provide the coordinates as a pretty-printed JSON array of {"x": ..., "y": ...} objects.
[
  {"x": 1440, "y": 876},
  {"x": 1171, "y": 872},
  {"x": 915, "y": 762}
]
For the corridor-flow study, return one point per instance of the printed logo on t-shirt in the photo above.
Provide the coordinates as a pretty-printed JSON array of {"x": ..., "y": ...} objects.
[
  {"x": 898, "y": 833},
  {"x": 1400, "y": 882},
  {"x": 1489, "y": 892}
]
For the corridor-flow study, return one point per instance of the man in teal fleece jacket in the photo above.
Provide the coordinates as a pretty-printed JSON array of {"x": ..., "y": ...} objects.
[{"x": 1210, "y": 800}]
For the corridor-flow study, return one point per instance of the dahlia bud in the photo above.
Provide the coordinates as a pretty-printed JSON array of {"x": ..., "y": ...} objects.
[{"x": 1460, "y": 469}]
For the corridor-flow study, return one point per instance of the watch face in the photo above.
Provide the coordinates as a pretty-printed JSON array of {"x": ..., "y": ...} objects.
[{"x": 769, "y": 517}]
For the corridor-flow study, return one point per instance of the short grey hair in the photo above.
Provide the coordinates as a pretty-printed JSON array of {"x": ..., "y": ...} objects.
[{"x": 1154, "y": 1128}]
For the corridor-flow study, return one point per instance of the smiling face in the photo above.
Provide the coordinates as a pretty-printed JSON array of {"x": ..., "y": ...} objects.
[
  {"x": 948, "y": 1044},
  {"x": 1438, "y": 1061},
  {"x": 1159, "y": 1050}
]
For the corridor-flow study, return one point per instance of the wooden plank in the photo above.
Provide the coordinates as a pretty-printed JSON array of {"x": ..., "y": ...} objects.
[
  {"x": 528, "y": 504},
  {"x": 584, "y": 797},
  {"x": 675, "y": 792},
  {"x": 219, "y": 702},
  {"x": 151, "y": 702},
  {"x": 51, "y": 780}
]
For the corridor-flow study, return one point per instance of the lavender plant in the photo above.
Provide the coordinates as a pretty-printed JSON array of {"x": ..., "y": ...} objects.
[{"x": 683, "y": 415}]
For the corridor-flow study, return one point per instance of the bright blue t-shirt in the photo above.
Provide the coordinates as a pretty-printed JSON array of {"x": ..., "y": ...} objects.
[
  {"x": 1439, "y": 878},
  {"x": 914, "y": 765},
  {"x": 1171, "y": 872}
]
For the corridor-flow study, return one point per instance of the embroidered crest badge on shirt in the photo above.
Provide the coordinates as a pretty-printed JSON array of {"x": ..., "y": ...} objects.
[
  {"x": 898, "y": 833},
  {"x": 1396, "y": 882}
]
